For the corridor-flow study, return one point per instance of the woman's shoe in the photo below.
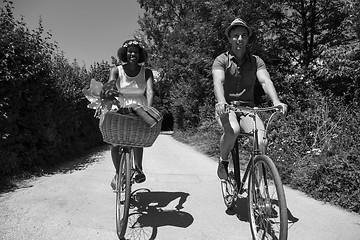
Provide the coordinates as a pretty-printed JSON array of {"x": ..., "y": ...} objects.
[
  {"x": 139, "y": 175},
  {"x": 113, "y": 182}
]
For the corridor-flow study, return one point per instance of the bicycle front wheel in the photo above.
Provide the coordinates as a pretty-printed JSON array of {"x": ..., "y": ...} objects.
[
  {"x": 123, "y": 191},
  {"x": 266, "y": 201}
]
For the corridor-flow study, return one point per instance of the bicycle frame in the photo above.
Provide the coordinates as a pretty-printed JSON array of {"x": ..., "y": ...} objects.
[
  {"x": 253, "y": 113},
  {"x": 267, "y": 208}
]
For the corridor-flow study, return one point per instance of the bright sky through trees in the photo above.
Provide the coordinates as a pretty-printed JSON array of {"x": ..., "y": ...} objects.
[{"x": 88, "y": 30}]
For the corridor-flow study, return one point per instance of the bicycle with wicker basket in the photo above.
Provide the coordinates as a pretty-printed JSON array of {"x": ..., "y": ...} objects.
[
  {"x": 126, "y": 130},
  {"x": 127, "y": 127}
]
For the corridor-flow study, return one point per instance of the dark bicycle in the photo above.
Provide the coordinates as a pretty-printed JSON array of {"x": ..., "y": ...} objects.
[
  {"x": 267, "y": 207},
  {"x": 126, "y": 130},
  {"x": 127, "y": 127}
]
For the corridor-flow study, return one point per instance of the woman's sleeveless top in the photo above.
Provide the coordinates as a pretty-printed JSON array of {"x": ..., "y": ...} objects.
[{"x": 132, "y": 88}]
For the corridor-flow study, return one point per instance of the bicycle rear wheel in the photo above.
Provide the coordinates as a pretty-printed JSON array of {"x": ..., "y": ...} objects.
[
  {"x": 123, "y": 191},
  {"x": 266, "y": 201},
  {"x": 230, "y": 186},
  {"x": 229, "y": 189}
]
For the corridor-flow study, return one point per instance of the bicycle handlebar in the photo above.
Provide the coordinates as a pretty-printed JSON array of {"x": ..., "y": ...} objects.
[
  {"x": 235, "y": 106},
  {"x": 110, "y": 93},
  {"x": 252, "y": 111},
  {"x": 239, "y": 108}
]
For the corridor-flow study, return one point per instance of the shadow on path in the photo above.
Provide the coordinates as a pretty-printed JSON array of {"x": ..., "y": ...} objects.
[
  {"x": 241, "y": 211},
  {"x": 151, "y": 210}
]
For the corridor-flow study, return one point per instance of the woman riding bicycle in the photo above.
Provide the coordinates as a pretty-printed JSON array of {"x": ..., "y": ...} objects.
[
  {"x": 132, "y": 83},
  {"x": 234, "y": 75}
]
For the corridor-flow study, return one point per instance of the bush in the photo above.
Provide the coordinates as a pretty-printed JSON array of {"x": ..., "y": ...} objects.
[
  {"x": 318, "y": 151},
  {"x": 43, "y": 114}
]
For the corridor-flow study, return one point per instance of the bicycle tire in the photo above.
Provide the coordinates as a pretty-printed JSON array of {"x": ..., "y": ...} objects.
[
  {"x": 123, "y": 191},
  {"x": 230, "y": 187},
  {"x": 229, "y": 191},
  {"x": 266, "y": 201}
]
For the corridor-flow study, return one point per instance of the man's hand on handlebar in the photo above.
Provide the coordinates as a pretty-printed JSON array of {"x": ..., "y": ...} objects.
[
  {"x": 282, "y": 106},
  {"x": 221, "y": 108}
]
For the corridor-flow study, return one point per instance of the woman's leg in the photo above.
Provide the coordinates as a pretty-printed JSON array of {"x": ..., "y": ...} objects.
[
  {"x": 138, "y": 156},
  {"x": 115, "y": 156},
  {"x": 116, "y": 161}
]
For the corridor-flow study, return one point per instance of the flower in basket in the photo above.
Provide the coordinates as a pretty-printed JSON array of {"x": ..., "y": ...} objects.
[
  {"x": 101, "y": 97},
  {"x": 93, "y": 94}
]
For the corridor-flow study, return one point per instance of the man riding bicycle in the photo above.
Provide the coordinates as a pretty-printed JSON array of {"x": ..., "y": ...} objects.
[{"x": 234, "y": 75}]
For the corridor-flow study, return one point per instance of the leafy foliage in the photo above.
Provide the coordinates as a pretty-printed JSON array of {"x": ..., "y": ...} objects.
[
  {"x": 41, "y": 96},
  {"x": 311, "y": 51}
]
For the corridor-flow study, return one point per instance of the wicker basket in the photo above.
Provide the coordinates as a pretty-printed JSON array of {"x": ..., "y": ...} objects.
[{"x": 128, "y": 130}]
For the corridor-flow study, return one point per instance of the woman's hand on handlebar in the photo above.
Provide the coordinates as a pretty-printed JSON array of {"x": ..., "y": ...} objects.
[
  {"x": 110, "y": 94},
  {"x": 109, "y": 90}
]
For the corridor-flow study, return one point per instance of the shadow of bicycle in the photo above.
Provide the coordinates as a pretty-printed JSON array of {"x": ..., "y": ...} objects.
[
  {"x": 241, "y": 211},
  {"x": 150, "y": 210}
]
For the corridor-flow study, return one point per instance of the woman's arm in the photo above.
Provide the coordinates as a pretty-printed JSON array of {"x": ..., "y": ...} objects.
[
  {"x": 114, "y": 74},
  {"x": 109, "y": 88},
  {"x": 149, "y": 86}
]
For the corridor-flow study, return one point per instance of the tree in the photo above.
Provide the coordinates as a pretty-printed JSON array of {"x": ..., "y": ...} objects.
[
  {"x": 293, "y": 37},
  {"x": 43, "y": 113},
  {"x": 311, "y": 40},
  {"x": 182, "y": 40},
  {"x": 25, "y": 85}
]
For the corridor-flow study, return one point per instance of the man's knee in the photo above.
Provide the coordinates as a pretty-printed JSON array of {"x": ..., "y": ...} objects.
[
  {"x": 231, "y": 130},
  {"x": 231, "y": 135}
]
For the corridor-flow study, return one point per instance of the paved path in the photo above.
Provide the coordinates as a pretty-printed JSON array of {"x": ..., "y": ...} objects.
[{"x": 183, "y": 194}]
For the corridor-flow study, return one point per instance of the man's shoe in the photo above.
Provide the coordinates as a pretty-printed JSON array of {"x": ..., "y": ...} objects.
[{"x": 222, "y": 170}]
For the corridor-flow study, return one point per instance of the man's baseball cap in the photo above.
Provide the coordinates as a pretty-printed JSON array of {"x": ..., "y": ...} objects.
[{"x": 238, "y": 22}]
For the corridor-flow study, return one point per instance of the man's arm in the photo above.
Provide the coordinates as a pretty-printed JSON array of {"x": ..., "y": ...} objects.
[
  {"x": 218, "y": 80},
  {"x": 268, "y": 86}
]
